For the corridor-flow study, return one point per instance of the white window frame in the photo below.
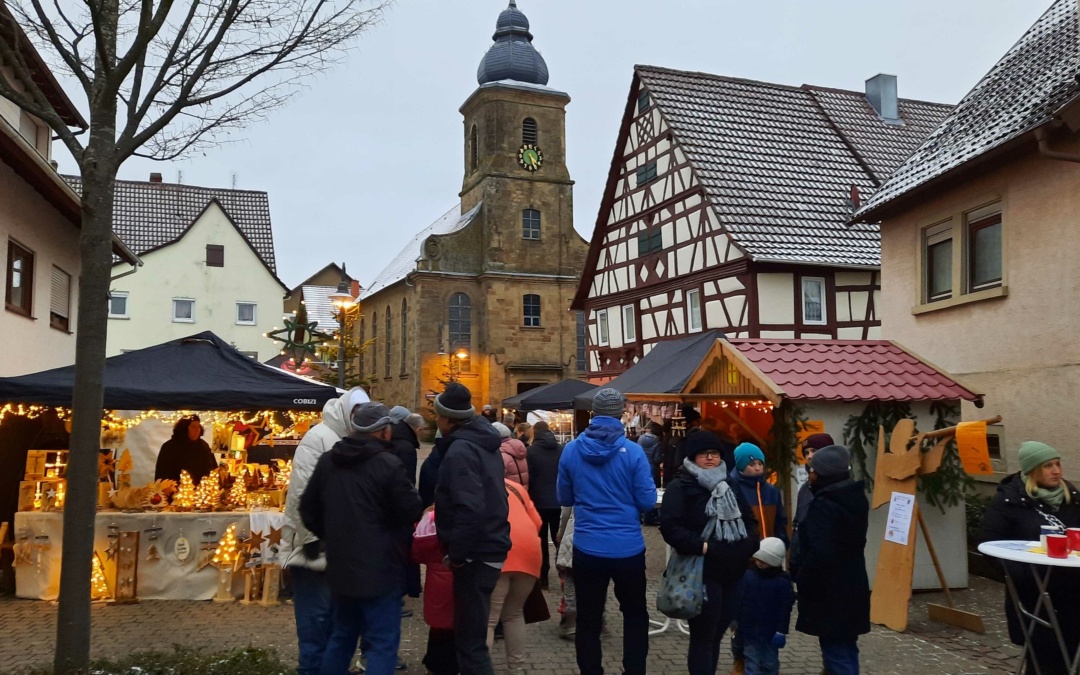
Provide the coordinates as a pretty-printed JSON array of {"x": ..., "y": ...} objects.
[
  {"x": 629, "y": 330},
  {"x": 254, "y": 313},
  {"x": 933, "y": 235},
  {"x": 127, "y": 308},
  {"x": 824, "y": 301},
  {"x": 692, "y": 297},
  {"x": 177, "y": 319},
  {"x": 603, "y": 334}
]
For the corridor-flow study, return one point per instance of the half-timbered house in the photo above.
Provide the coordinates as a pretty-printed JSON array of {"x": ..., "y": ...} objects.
[{"x": 727, "y": 206}]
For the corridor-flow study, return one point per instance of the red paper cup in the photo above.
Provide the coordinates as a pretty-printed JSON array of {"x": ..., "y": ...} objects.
[
  {"x": 1057, "y": 546},
  {"x": 1073, "y": 533}
]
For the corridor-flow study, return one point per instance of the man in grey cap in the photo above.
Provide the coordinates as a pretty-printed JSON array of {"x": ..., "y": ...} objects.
[
  {"x": 471, "y": 519},
  {"x": 362, "y": 506},
  {"x": 608, "y": 481}
]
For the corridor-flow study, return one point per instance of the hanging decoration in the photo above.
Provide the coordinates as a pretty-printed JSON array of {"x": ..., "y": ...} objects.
[
  {"x": 299, "y": 338},
  {"x": 152, "y": 535}
]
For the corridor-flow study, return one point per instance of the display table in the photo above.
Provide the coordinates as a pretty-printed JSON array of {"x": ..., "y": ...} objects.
[
  {"x": 1042, "y": 614},
  {"x": 161, "y": 574}
]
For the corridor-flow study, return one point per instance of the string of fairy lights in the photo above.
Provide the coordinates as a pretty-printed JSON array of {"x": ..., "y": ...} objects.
[{"x": 114, "y": 420}]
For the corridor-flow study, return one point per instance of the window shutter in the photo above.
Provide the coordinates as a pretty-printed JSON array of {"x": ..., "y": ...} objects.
[{"x": 61, "y": 293}]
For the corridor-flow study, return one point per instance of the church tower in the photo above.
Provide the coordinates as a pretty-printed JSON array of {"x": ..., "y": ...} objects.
[{"x": 515, "y": 156}]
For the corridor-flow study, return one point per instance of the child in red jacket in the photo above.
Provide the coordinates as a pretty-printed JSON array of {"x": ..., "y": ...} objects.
[{"x": 441, "y": 657}]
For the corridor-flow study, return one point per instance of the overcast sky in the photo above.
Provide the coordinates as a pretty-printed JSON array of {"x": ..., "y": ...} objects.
[{"x": 370, "y": 154}]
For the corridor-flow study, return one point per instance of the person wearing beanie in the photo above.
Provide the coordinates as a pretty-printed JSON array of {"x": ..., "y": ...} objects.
[
  {"x": 1036, "y": 496},
  {"x": 812, "y": 444},
  {"x": 489, "y": 414},
  {"x": 829, "y": 565},
  {"x": 470, "y": 518},
  {"x": 607, "y": 479},
  {"x": 361, "y": 504},
  {"x": 404, "y": 441},
  {"x": 764, "y": 614},
  {"x": 702, "y": 514},
  {"x": 514, "y": 456},
  {"x": 764, "y": 498}
]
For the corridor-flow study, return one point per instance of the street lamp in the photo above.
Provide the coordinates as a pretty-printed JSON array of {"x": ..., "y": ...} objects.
[
  {"x": 461, "y": 353},
  {"x": 344, "y": 301}
]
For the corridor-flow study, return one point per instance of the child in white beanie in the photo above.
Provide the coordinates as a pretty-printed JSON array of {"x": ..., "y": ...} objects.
[{"x": 764, "y": 614}]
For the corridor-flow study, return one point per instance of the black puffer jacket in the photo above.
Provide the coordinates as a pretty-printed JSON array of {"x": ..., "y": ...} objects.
[
  {"x": 543, "y": 459},
  {"x": 405, "y": 445},
  {"x": 834, "y": 592},
  {"x": 1015, "y": 515},
  {"x": 683, "y": 519},
  {"x": 470, "y": 498},
  {"x": 360, "y": 503}
]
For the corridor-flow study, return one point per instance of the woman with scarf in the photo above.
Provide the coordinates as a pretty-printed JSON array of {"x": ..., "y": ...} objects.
[
  {"x": 1026, "y": 501},
  {"x": 699, "y": 497}
]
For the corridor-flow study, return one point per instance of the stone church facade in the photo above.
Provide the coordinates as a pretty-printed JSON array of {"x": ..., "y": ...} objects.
[{"x": 494, "y": 277}]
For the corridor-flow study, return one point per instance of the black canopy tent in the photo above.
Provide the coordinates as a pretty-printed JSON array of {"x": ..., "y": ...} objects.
[
  {"x": 199, "y": 372},
  {"x": 555, "y": 396},
  {"x": 664, "y": 370}
]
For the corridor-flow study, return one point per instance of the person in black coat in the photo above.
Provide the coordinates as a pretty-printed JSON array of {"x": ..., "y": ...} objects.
[
  {"x": 1026, "y": 501},
  {"x": 830, "y": 571},
  {"x": 360, "y": 504},
  {"x": 185, "y": 451},
  {"x": 701, "y": 482},
  {"x": 543, "y": 460},
  {"x": 404, "y": 441}
]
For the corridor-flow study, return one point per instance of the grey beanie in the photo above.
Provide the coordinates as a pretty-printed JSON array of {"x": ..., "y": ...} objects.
[
  {"x": 831, "y": 461},
  {"x": 367, "y": 418},
  {"x": 609, "y": 402},
  {"x": 399, "y": 413},
  {"x": 455, "y": 402}
]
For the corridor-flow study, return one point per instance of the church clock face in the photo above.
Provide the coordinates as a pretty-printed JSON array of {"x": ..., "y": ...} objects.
[{"x": 530, "y": 157}]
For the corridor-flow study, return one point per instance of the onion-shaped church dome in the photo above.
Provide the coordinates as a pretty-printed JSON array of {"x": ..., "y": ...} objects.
[{"x": 513, "y": 56}]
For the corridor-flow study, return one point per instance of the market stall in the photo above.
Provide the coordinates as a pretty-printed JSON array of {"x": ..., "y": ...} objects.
[
  {"x": 193, "y": 538},
  {"x": 552, "y": 403}
]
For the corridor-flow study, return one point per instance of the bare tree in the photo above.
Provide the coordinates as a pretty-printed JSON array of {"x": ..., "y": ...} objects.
[{"x": 160, "y": 78}]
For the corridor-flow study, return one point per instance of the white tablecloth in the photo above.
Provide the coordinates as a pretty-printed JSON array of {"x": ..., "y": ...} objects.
[
  {"x": 166, "y": 578},
  {"x": 1020, "y": 551}
]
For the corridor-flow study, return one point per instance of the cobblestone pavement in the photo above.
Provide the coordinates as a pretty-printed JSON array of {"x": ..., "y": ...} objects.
[{"x": 28, "y": 629}]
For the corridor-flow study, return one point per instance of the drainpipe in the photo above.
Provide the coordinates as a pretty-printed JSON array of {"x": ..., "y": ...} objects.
[{"x": 1045, "y": 151}]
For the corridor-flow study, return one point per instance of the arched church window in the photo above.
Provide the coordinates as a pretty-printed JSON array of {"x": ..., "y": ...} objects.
[
  {"x": 404, "y": 335},
  {"x": 460, "y": 325},
  {"x": 389, "y": 342},
  {"x": 528, "y": 131},
  {"x": 474, "y": 149}
]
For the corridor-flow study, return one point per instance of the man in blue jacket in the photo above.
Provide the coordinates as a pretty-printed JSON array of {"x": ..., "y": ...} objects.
[{"x": 608, "y": 481}]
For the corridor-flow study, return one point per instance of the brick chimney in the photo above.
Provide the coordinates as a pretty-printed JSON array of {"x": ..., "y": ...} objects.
[
  {"x": 881, "y": 92},
  {"x": 355, "y": 288},
  {"x": 155, "y": 178}
]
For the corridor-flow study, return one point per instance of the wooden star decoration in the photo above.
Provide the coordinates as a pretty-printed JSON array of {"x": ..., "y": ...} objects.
[
  {"x": 110, "y": 552},
  {"x": 275, "y": 536},
  {"x": 255, "y": 541},
  {"x": 51, "y": 494}
]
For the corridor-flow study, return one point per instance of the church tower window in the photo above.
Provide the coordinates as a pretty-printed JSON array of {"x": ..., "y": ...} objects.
[
  {"x": 474, "y": 149},
  {"x": 530, "y": 224},
  {"x": 529, "y": 134},
  {"x": 460, "y": 325},
  {"x": 531, "y": 304}
]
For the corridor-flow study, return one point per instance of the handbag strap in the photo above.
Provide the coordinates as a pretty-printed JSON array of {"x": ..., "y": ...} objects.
[
  {"x": 517, "y": 494},
  {"x": 761, "y": 511},
  {"x": 518, "y": 467}
]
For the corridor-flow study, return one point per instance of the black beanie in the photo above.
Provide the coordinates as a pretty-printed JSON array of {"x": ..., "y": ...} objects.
[
  {"x": 455, "y": 402},
  {"x": 699, "y": 442}
]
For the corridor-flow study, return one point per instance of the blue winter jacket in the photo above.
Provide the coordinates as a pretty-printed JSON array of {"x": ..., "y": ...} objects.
[
  {"x": 765, "y": 600},
  {"x": 608, "y": 481},
  {"x": 773, "y": 516}
]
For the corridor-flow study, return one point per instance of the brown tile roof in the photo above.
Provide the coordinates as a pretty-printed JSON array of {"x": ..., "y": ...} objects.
[
  {"x": 149, "y": 216},
  {"x": 778, "y": 162},
  {"x": 1023, "y": 91}
]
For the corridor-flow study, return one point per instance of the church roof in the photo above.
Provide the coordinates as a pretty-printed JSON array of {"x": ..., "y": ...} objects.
[
  {"x": 513, "y": 56},
  {"x": 405, "y": 261},
  {"x": 1031, "y": 84},
  {"x": 778, "y": 162}
]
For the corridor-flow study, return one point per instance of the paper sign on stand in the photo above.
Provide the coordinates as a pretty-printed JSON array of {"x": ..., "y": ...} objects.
[{"x": 898, "y": 525}]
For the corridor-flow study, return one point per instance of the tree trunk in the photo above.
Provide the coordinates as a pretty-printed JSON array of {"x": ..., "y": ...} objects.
[{"x": 73, "y": 618}]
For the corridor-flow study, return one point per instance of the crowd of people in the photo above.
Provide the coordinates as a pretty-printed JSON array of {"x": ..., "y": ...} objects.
[{"x": 492, "y": 496}]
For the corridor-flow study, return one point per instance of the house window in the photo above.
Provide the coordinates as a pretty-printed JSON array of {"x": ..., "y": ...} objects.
[
  {"x": 643, "y": 102},
  {"x": 183, "y": 310},
  {"x": 245, "y": 314},
  {"x": 693, "y": 310},
  {"x": 984, "y": 250},
  {"x": 531, "y": 305},
  {"x": 528, "y": 131},
  {"x": 460, "y": 325},
  {"x": 601, "y": 328},
  {"x": 374, "y": 344},
  {"x": 646, "y": 173},
  {"x": 404, "y": 335},
  {"x": 938, "y": 262},
  {"x": 629, "y": 329},
  {"x": 60, "y": 300},
  {"x": 215, "y": 255},
  {"x": 20, "y": 279},
  {"x": 474, "y": 150},
  {"x": 530, "y": 224},
  {"x": 813, "y": 301},
  {"x": 118, "y": 305},
  {"x": 389, "y": 343},
  {"x": 363, "y": 348},
  {"x": 582, "y": 343},
  {"x": 650, "y": 241}
]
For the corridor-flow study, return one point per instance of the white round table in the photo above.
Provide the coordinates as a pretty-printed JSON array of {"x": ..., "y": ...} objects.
[{"x": 1042, "y": 614}]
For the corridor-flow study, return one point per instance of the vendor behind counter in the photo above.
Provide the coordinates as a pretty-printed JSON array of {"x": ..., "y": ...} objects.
[{"x": 185, "y": 451}]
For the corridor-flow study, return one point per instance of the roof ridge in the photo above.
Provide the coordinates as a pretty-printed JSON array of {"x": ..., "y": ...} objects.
[
  {"x": 838, "y": 90},
  {"x": 714, "y": 76},
  {"x": 174, "y": 185}
]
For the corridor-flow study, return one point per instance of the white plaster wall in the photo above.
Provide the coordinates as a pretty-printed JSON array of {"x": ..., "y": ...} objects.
[
  {"x": 948, "y": 529},
  {"x": 180, "y": 271},
  {"x": 776, "y": 298},
  {"x": 31, "y": 345}
]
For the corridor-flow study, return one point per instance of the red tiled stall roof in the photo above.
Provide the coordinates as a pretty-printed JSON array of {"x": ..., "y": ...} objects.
[{"x": 849, "y": 370}]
